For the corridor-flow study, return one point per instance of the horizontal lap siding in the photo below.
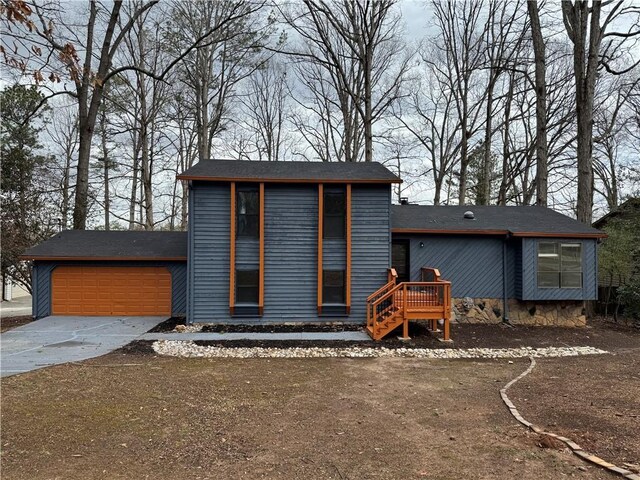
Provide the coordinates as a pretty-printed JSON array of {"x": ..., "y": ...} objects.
[
  {"x": 247, "y": 252},
  {"x": 209, "y": 258},
  {"x": 370, "y": 244},
  {"x": 473, "y": 265},
  {"x": 334, "y": 254},
  {"x": 530, "y": 290},
  {"x": 291, "y": 249},
  {"x": 42, "y": 285}
]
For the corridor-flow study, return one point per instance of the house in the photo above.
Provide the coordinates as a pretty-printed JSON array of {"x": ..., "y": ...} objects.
[
  {"x": 272, "y": 242},
  {"x": 620, "y": 255}
]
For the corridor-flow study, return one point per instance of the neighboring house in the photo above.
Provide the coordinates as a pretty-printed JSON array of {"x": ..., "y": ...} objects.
[
  {"x": 627, "y": 212},
  {"x": 280, "y": 242},
  {"x": 620, "y": 254}
]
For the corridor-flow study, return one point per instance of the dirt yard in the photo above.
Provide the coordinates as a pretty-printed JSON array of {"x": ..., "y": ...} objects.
[
  {"x": 12, "y": 322},
  {"x": 133, "y": 415}
]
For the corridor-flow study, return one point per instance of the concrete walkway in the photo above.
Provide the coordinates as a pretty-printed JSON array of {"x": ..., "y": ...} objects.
[
  {"x": 204, "y": 336},
  {"x": 55, "y": 340}
]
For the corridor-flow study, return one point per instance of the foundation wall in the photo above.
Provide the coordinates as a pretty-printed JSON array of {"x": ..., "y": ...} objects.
[{"x": 534, "y": 313}]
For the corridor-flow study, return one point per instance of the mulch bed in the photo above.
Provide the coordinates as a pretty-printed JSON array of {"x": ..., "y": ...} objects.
[
  {"x": 599, "y": 334},
  {"x": 168, "y": 325},
  {"x": 282, "y": 328},
  {"x": 12, "y": 322}
]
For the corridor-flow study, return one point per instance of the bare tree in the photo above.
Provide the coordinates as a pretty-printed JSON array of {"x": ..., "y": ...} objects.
[
  {"x": 63, "y": 135},
  {"x": 211, "y": 74},
  {"x": 582, "y": 20},
  {"x": 50, "y": 43},
  {"x": 266, "y": 109},
  {"x": 539, "y": 52},
  {"x": 461, "y": 39},
  {"x": 357, "y": 45}
]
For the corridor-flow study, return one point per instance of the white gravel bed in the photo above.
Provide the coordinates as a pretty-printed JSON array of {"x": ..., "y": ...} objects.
[
  {"x": 192, "y": 328},
  {"x": 191, "y": 350}
]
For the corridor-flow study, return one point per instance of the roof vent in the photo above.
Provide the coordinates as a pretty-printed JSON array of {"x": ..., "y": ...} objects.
[
  {"x": 469, "y": 215},
  {"x": 404, "y": 200}
]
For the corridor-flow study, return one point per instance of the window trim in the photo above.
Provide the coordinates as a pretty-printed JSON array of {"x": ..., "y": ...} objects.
[{"x": 559, "y": 272}]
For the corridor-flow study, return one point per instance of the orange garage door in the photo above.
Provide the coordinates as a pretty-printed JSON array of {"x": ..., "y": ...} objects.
[{"x": 111, "y": 291}]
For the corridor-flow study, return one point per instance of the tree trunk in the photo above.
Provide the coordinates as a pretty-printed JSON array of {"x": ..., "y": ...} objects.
[{"x": 542, "y": 169}]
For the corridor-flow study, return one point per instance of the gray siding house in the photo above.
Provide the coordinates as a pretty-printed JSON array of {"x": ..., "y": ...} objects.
[{"x": 273, "y": 242}]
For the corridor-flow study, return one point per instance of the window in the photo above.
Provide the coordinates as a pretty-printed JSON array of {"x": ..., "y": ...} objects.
[
  {"x": 333, "y": 286},
  {"x": 334, "y": 214},
  {"x": 248, "y": 213},
  {"x": 247, "y": 286},
  {"x": 559, "y": 265}
]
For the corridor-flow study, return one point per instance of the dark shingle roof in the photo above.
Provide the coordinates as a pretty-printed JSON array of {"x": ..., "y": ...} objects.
[
  {"x": 98, "y": 244},
  {"x": 302, "y": 172},
  {"x": 518, "y": 221}
]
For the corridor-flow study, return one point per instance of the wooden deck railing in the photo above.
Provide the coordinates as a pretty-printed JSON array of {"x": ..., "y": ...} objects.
[{"x": 397, "y": 303}]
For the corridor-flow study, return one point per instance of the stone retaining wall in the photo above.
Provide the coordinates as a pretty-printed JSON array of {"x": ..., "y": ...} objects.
[{"x": 490, "y": 310}]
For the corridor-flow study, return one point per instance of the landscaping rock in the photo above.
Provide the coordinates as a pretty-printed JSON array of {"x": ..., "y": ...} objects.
[{"x": 190, "y": 349}]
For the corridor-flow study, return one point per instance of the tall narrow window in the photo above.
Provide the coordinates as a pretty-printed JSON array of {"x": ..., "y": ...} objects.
[
  {"x": 247, "y": 286},
  {"x": 559, "y": 265},
  {"x": 333, "y": 290},
  {"x": 248, "y": 213},
  {"x": 334, "y": 214}
]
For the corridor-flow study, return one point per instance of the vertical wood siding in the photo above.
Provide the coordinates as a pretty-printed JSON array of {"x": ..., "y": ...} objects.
[
  {"x": 530, "y": 290},
  {"x": 473, "y": 265}
]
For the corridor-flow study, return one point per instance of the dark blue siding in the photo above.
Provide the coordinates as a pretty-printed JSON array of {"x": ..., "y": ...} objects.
[
  {"x": 473, "y": 265},
  {"x": 42, "y": 283},
  {"x": 517, "y": 267},
  {"x": 247, "y": 252},
  {"x": 209, "y": 259},
  {"x": 334, "y": 254},
  {"x": 530, "y": 290},
  {"x": 370, "y": 243},
  {"x": 291, "y": 252}
]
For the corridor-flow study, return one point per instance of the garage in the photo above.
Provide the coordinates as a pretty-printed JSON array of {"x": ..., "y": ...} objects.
[
  {"x": 110, "y": 273},
  {"x": 132, "y": 291}
]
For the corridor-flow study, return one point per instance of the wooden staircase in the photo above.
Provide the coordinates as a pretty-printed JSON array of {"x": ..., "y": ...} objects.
[{"x": 395, "y": 304}]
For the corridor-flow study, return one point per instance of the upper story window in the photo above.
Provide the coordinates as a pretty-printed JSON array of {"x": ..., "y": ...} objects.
[
  {"x": 559, "y": 265},
  {"x": 248, "y": 212},
  {"x": 334, "y": 214}
]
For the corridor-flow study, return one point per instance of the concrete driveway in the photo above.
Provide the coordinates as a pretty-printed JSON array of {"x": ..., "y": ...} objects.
[
  {"x": 55, "y": 340},
  {"x": 17, "y": 307}
]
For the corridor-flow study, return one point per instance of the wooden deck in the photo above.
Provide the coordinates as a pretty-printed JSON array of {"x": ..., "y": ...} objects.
[{"x": 396, "y": 303}]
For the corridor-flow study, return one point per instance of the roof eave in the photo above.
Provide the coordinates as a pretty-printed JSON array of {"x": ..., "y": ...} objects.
[
  {"x": 442, "y": 231},
  {"x": 59, "y": 258},
  {"x": 435, "y": 231},
  {"x": 561, "y": 234},
  {"x": 206, "y": 178}
]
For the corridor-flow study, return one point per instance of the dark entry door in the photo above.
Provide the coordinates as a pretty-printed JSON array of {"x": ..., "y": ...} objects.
[{"x": 400, "y": 259}]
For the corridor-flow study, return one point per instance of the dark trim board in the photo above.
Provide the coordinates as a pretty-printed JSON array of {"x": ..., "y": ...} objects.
[
  {"x": 432, "y": 231},
  {"x": 283, "y": 180}
]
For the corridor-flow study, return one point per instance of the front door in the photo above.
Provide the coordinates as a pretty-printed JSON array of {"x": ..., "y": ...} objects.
[{"x": 400, "y": 259}]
